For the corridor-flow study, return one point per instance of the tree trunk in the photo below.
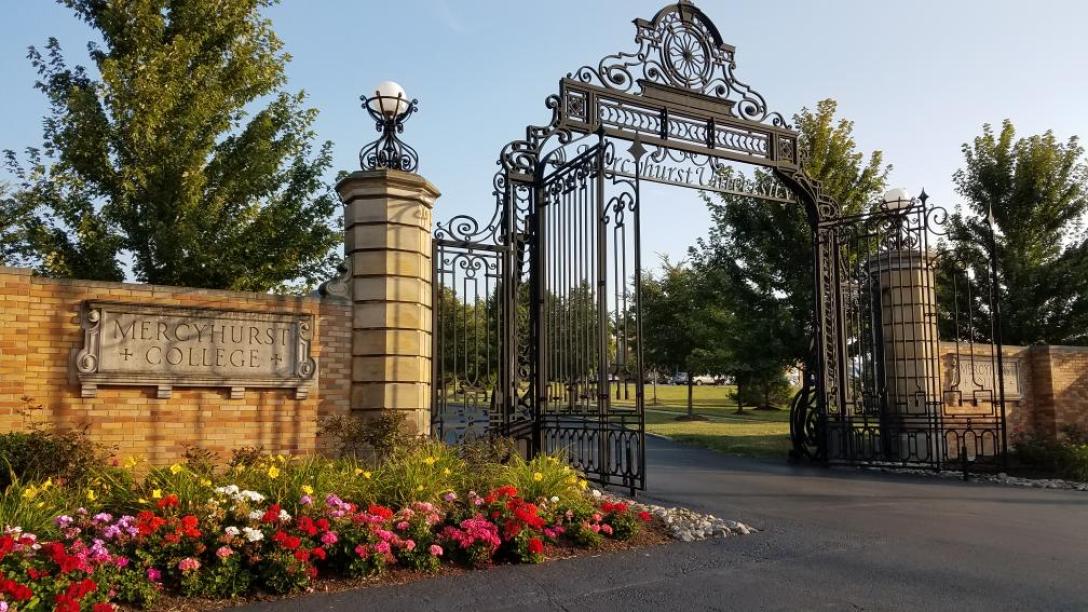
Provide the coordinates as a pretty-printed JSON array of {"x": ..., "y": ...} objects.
[
  {"x": 655, "y": 388},
  {"x": 691, "y": 390}
]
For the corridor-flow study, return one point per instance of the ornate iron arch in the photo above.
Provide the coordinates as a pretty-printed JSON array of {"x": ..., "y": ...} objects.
[{"x": 676, "y": 91}]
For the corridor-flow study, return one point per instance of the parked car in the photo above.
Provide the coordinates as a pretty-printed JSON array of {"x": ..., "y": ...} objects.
[{"x": 707, "y": 379}]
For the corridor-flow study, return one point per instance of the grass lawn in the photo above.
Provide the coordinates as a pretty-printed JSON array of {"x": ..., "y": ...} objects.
[{"x": 756, "y": 433}]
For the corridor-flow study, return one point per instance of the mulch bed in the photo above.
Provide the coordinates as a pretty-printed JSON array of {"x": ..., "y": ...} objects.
[{"x": 652, "y": 534}]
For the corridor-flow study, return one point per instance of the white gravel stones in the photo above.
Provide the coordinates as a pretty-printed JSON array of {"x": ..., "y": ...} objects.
[
  {"x": 1001, "y": 478},
  {"x": 687, "y": 525}
]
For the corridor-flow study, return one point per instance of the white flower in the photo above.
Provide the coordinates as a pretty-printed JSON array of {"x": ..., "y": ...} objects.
[
  {"x": 284, "y": 516},
  {"x": 252, "y": 535},
  {"x": 232, "y": 531},
  {"x": 230, "y": 490},
  {"x": 596, "y": 493},
  {"x": 252, "y": 496},
  {"x": 554, "y": 499},
  {"x": 255, "y": 515}
]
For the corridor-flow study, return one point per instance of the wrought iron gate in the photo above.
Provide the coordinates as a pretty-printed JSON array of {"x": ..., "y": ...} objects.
[
  {"x": 925, "y": 378},
  {"x": 586, "y": 276},
  {"x": 536, "y": 330}
]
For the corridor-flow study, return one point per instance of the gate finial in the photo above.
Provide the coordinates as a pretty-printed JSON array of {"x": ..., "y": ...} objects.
[{"x": 390, "y": 108}]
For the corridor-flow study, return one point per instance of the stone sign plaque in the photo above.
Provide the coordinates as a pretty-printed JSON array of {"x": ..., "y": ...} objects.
[
  {"x": 975, "y": 377},
  {"x": 167, "y": 346}
]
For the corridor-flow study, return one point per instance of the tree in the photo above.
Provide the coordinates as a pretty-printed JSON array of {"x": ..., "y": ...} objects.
[
  {"x": 13, "y": 219},
  {"x": 758, "y": 256},
  {"x": 1036, "y": 188},
  {"x": 682, "y": 328},
  {"x": 158, "y": 160}
]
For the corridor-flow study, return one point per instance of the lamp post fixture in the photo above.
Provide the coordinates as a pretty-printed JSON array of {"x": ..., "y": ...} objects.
[
  {"x": 389, "y": 106},
  {"x": 897, "y": 199}
]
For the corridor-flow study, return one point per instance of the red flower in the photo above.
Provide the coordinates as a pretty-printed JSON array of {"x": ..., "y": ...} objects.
[
  {"x": 66, "y": 604},
  {"x": 147, "y": 523},
  {"x": 17, "y": 591},
  {"x": 65, "y": 562},
  {"x": 272, "y": 514},
  {"x": 170, "y": 501},
  {"x": 7, "y": 543},
  {"x": 645, "y": 516},
  {"x": 536, "y": 546},
  {"x": 511, "y": 530},
  {"x": 323, "y": 524},
  {"x": 306, "y": 525},
  {"x": 381, "y": 511},
  {"x": 103, "y": 607},
  {"x": 302, "y": 555},
  {"x": 36, "y": 574},
  {"x": 77, "y": 590},
  {"x": 318, "y": 553},
  {"x": 189, "y": 524}
]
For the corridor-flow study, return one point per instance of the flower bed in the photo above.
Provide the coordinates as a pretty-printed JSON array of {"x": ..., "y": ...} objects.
[{"x": 276, "y": 525}]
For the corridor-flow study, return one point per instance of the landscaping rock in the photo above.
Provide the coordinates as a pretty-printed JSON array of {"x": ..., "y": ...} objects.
[{"x": 687, "y": 525}]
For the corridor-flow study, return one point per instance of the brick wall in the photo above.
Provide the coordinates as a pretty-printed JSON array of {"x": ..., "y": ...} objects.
[
  {"x": 1053, "y": 384},
  {"x": 39, "y": 328}
]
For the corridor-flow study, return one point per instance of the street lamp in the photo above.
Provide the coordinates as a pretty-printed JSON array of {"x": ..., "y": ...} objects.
[
  {"x": 390, "y": 107},
  {"x": 897, "y": 199}
]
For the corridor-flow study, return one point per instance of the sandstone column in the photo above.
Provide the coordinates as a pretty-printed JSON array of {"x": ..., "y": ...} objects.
[
  {"x": 387, "y": 224},
  {"x": 908, "y": 330}
]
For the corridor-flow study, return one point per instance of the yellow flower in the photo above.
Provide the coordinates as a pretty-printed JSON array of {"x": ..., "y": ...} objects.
[
  {"x": 358, "y": 471},
  {"x": 40, "y": 504},
  {"x": 537, "y": 476},
  {"x": 30, "y": 492},
  {"x": 90, "y": 495},
  {"x": 366, "y": 475},
  {"x": 239, "y": 468},
  {"x": 281, "y": 458},
  {"x": 273, "y": 472},
  {"x": 430, "y": 460},
  {"x": 131, "y": 462},
  {"x": 176, "y": 468},
  {"x": 419, "y": 488},
  {"x": 307, "y": 490},
  {"x": 48, "y": 483},
  {"x": 582, "y": 484},
  {"x": 446, "y": 471},
  {"x": 142, "y": 500},
  {"x": 156, "y": 494},
  {"x": 205, "y": 482}
]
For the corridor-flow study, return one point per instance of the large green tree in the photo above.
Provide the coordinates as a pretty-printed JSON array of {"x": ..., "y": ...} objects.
[
  {"x": 184, "y": 156},
  {"x": 684, "y": 327},
  {"x": 758, "y": 254},
  {"x": 1036, "y": 189}
]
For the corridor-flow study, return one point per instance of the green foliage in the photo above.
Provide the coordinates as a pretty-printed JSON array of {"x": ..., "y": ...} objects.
[
  {"x": 1065, "y": 456},
  {"x": 46, "y": 454},
  {"x": 685, "y": 326},
  {"x": 762, "y": 388},
  {"x": 758, "y": 258},
  {"x": 185, "y": 153},
  {"x": 1036, "y": 189},
  {"x": 421, "y": 473}
]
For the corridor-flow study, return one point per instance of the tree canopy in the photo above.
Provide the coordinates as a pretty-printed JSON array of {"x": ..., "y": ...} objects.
[
  {"x": 184, "y": 158},
  {"x": 1036, "y": 189}
]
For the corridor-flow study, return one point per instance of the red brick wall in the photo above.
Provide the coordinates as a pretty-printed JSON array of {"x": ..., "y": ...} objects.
[{"x": 39, "y": 328}]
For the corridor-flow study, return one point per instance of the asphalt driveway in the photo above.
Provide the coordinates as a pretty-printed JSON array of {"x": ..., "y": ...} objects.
[{"x": 832, "y": 539}]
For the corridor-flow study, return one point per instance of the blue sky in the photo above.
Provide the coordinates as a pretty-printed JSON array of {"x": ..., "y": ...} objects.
[{"x": 918, "y": 78}]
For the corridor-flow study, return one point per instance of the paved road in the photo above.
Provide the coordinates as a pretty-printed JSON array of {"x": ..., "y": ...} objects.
[{"x": 832, "y": 540}]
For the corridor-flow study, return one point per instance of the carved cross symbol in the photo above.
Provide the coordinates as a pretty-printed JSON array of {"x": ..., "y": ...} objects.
[
  {"x": 276, "y": 359},
  {"x": 126, "y": 354}
]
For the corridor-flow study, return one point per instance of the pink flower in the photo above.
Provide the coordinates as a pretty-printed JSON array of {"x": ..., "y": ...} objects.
[
  {"x": 410, "y": 544},
  {"x": 188, "y": 563},
  {"x": 435, "y": 550},
  {"x": 450, "y": 497},
  {"x": 153, "y": 574},
  {"x": 224, "y": 552},
  {"x": 329, "y": 538},
  {"x": 606, "y": 529},
  {"x": 382, "y": 548},
  {"x": 402, "y": 526},
  {"x": 362, "y": 550},
  {"x": 306, "y": 500}
]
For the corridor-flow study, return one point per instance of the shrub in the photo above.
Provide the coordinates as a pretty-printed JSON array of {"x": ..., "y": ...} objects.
[
  {"x": 1065, "y": 456},
  {"x": 64, "y": 456}
]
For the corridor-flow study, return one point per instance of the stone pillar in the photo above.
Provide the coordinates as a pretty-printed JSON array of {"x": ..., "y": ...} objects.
[
  {"x": 387, "y": 224},
  {"x": 907, "y": 307}
]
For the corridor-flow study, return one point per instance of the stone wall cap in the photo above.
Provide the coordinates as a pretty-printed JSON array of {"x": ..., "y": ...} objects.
[
  {"x": 397, "y": 178},
  {"x": 16, "y": 271}
]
